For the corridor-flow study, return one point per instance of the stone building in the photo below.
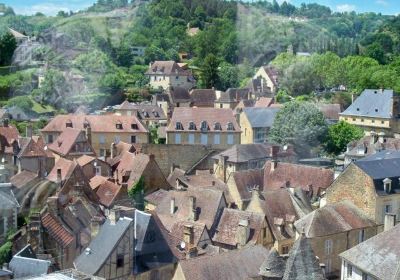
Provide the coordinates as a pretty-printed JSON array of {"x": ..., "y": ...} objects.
[
  {"x": 333, "y": 229},
  {"x": 230, "y": 98},
  {"x": 268, "y": 79},
  {"x": 150, "y": 115},
  {"x": 372, "y": 184},
  {"x": 164, "y": 74}
]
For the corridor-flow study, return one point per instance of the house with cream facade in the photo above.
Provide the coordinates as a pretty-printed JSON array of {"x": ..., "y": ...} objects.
[{"x": 164, "y": 74}]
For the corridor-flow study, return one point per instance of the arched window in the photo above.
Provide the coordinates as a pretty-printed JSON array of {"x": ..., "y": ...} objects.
[
  {"x": 204, "y": 126},
  {"x": 192, "y": 126},
  {"x": 230, "y": 126},
  {"x": 217, "y": 126},
  {"x": 179, "y": 126}
]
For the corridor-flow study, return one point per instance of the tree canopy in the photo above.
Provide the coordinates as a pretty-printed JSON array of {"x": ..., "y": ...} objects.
[{"x": 340, "y": 135}]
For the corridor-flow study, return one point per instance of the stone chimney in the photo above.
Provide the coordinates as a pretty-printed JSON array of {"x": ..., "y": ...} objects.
[
  {"x": 172, "y": 206},
  {"x": 29, "y": 130},
  {"x": 390, "y": 221},
  {"x": 113, "y": 150},
  {"x": 94, "y": 227},
  {"x": 274, "y": 165},
  {"x": 192, "y": 209},
  {"x": 188, "y": 234},
  {"x": 88, "y": 132},
  {"x": 274, "y": 150},
  {"x": 242, "y": 233},
  {"x": 279, "y": 223},
  {"x": 114, "y": 215},
  {"x": 223, "y": 163}
]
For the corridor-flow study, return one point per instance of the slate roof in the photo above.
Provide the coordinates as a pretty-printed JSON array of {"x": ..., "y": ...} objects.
[
  {"x": 98, "y": 123},
  {"x": 378, "y": 256},
  {"x": 373, "y": 103},
  {"x": 272, "y": 74},
  {"x": 178, "y": 94},
  {"x": 332, "y": 219},
  {"x": 234, "y": 265},
  {"x": 233, "y": 95},
  {"x": 57, "y": 230},
  {"x": 144, "y": 111},
  {"x": 229, "y": 223},
  {"x": 261, "y": 117},
  {"x": 302, "y": 263},
  {"x": 197, "y": 115},
  {"x": 7, "y": 198},
  {"x": 369, "y": 146},
  {"x": 198, "y": 230},
  {"x": 203, "y": 97},
  {"x": 241, "y": 153},
  {"x": 273, "y": 265},
  {"x": 155, "y": 197},
  {"x": 25, "y": 264},
  {"x": 102, "y": 246},
  {"x": 248, "y": 179},
  {"x": 168, "y": 68}
]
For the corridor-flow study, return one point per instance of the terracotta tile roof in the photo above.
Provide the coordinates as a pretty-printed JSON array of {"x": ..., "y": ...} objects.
[
  {"x": 23, "y": 178},
  {"x": 96, "y": 181},
  {"x": 10, "y": 133},
  {"x": 264, "y": 102},
  {"x": 198, "y": 230},
  {"x": 132, "y": 165},
  {"x": 66, "y": 141},
  {"x": 297, "y": 175},
  {"x": 246, "y": 180},
  {"x": 198, "y": 115},
  {"x": 85, "y": 159},
  {"x": 155, "y": 197},
  {"x": 66, "y": 166},
  {"x": 229, "y": 223},
  {"x": 168, "y": 68},
  {"x": 203, "y": 97},
  {"x": 107, "y": 192},
  {"x": 149, "y": 112},
  {"x": 207, "y": 204},
  {"x": 33, "y": 147},
  {"x": 98, "y": 123},
  {"x": 332, "y": 219},
  {"x": 234, "y": 95},
  {"x": 56, "y": 230},
  {"x": 178, "y": 94},
  {"x": 234, "y": 265}
]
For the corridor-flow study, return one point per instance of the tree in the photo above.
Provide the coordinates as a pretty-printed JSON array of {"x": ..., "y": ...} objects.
[
  {"x": 209, "y": 71},
  {"x": 340, "y": 135},
  {"x": 300, "y": 124},
  {"x": 23, "y": 102},
  {"x": 376, "y": 52},
  {"x": 228, "y": 76},
  {"x": 136, "y": 193},
  {"x": 299, "y": 79},
  {"x": 8, "y": 44}
]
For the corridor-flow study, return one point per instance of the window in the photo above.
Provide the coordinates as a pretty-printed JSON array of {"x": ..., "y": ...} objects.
[
  {"x": 102, "y": 139},
  {"x": 230, "y": 126},
  {"x": 179, "y": 126},
  {"x": 217, "y": 139},
  {"x": 217, "y": 126},
  {"x": 118, "y": 126},
  {"x": 362, "y": 120},
  {"x": 98, "y": 170},
  {"x": 177, "y": 138},
  {"x": 387, "y": 185},
  {"x": 364, "y": 276},
  {"x": 133, "y": 138},
  {"x": 328, "y": 247},
  {"x": 229, "y": 139},
  {"x": 102, "y": 152},
  {"x": 177, "y": 104},
  {"x": 388, "y": 209},
  {"x": 221, "y": 105},
  {"x": 349, "y": 270},
  {"x": 117, "y": 139},
  {"x": 134, "y": 126},
  {"x": 120, "y": 260},
  {"x": 382, "y": 122},
  {"x": 204, "y": 126},
  {"x": 191, "y": 138},
  {"x": 204, "y": 139},
  {"x": 50, "y": 138},
  {"x": 68, "y": 124},
  {"x": 361, "y": 235},
  {"x": 373, "y": 121},
  {"x": 192, "y": 126},
  {"x": 328, "y": 265},
  {"x": 354, "y": 119},
  {"x": 285, "y": 250}
]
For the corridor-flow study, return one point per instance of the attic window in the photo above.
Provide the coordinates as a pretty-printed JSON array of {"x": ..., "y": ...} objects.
[
  {"x": 68, "y": 124},
  {"x": 134, "y": 126},
  {"x": 204, "y": 126},
  {"x": 192, "y": 126},
  {"x": 376, "y": 110},
  {"x": 387, "y": 185},
  {"x": 358, "y": 109},
  {"x": 179, "y": 126},
  {"x": 118, "y": 125},
  {"x": 217, "y": 126},
  {"x": 230, "y": 126}
]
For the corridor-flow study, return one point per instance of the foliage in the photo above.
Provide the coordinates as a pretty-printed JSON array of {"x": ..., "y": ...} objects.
[
  {"x": 23, "y": 102},
  {"x": 136, "y": 193},
  {"x": 6, "y": 248},
  {"x": 154, "y": 135},
  {"x": 300, "y": 124},
  {"x": 8, "y": 44},
  {"x": 209, "y": 71},
  {"x": 340, "y": 135}
]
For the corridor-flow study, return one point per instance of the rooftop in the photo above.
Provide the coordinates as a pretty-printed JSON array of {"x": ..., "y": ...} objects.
[{"x": 261, "y": 117}]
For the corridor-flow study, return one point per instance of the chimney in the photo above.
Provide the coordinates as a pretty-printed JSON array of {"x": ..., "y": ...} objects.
[
  {"x": 172, "y": 206},
  {"x": 192, "y": 209},
  {"x": 29, "y": 130},
  {"x": 223, "y": 162},
  {"x": 390, "y": 221},
  {"x": 113, "y": 150},
  {"x": 114, "y": 215},
  {"x": 89, "y": 134},
  {"x": 59, "y": 176},
  {"x": 94, "y": 227},
  {"x": 5, "y": 122},
  {"x": 242, "y": 233},
  {"x": 279, "y": 223},
  {"x": 237, "y": 117},
  {"x": 192, "y": 252},
  {"x": 274, "y": 152},
  {"x": 274, "y": 165},
  {"x": 188, "y": 234}
]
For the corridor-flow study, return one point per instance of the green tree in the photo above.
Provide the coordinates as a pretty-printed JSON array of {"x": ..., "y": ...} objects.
[
  {"x": 340, "y": 135},
  {"x": 300, "y": 124},
  {"x": 136, "y": 193},
  {"x": 209, "y": 71},
  {"x": 376, "y": 52},
  {"x": 8, "y": 44},
  {"x": 228, "y": 76},
  {"x": 23, "y": 102}
]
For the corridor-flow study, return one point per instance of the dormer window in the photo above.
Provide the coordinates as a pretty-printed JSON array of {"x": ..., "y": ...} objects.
[
  {"x": 179, "y": 126},
  {"x": 134, "y": 126},
  {"x": 68, "y": 124},
  {"x": 204, "y": 126},
  {"x": 217, "y": 126},
  {"x": 118, "y": 125},
  {"x": 230, "y": 126},
  {"x": 387, "y": 185},
  {"x": 192, "y": 126}
]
